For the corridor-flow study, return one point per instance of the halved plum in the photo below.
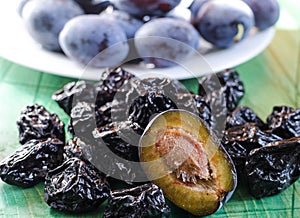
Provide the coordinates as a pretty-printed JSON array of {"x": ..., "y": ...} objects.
[{"x": 185, "y": 159}]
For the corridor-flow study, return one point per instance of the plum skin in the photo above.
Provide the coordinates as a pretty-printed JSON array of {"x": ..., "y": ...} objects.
[
  {"x": 128, "y": 23},
  {"x": 266, "y": 12},
  {"x": 176, "y": 41},
  {"x": 94, "y": 41},
  {"x": 142, "y": 8},
  {"x": 44, "y": 19},
  {"x": 218, "y": 21}
]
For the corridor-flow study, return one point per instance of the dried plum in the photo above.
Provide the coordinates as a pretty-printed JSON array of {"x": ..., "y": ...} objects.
[
  {"x": 78, "y": 91},
  {"x": 240, "y": 140},
  {"x": 242, "y": 115},
  {"x": 35, "y": 122},
  {"x": 78, "y": 148},
  {"x": 184, "y": 158},
  {"x": 30, "y": 163},
  {"x": 116, "y": 152},
  {"x": 83, "y": 120},
  {"x": 75, "y": 186},
  {"x": 284, "y": 121},
  {"x": 158, "y": 95},
  {"x": 142, "y": 201},
  {"x": 225, "y": 83},
  {"x": 112, "y": 81},
  {"x": 204, "y": 111},
  {"x": 273, "y": 168}
]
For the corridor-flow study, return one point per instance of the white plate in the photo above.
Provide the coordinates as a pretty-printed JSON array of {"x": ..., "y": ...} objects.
[{"x": 16, "y": 45}]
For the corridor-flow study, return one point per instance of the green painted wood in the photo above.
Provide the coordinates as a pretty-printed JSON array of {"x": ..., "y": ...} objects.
[{"x": 270, "y": 79}]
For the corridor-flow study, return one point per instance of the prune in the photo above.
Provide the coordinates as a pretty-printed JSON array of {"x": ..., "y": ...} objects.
[
  {"x": 44, "y": 19},
  {"x": 83, "y": 120},
  {"x": 273, "y": 168},
  {"x": 284, "y": 121},
  {"x": 82, "y": 90},
  {"x": 78, "y": 148},
  {"x": 98, "y": 43},
  {"x": 143, "y": 8},
  {"x": 182, "y": 157},
  {"x": 75, "y": 186},
  {"x": 116, "y": 152},
  {"x": 30, "y": 163},
  {"x": 243, "y": 115},
  {"x": 158, "y": 95},
  {"x": 35, "y": 122},
  {"x": 204, "y": 110},
  {"x": 227, "y": 83},
  {"x": 93, "y": 6},
  {"x": 240, "y": 140},
  {"x": 127, "y": 22},
  {"x": 166, "y": 46},
  {"x": 266, "y": 13},
  {"x": 113, "y": 81},
  {"x": 224, "y": 32},
  {"x": 142, "y": 201}
]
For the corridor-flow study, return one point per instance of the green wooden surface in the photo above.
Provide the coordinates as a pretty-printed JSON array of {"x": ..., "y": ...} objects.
[{"x": 272, "y": 78}]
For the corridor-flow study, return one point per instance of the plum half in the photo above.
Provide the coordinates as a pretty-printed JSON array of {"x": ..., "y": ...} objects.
[{"x": 185, "y": 159}]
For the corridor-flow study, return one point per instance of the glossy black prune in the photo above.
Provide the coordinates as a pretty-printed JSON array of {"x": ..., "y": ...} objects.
[
  {"x": 115, "y": 149},
  {"x": 242, "y": 115},
  {"x": 83, "y": 120},
  {"x": 35, "y": 122},
  {"x": 30, "y": 163},
  {"x": 273, "y": 168},
  {"x": 158, "y": 95},
  {"x": 76, "y": 147},
  {"x": 112, "y": 81},
  {"x": 80, "y": 91},
  {"x": 204, "y": 111},
  {"x": 225, "y": 84},
  {"x": 142, "y": 201},
  {"x": 75, "y": 186},
  {"x": 240, "y": 140},
  {"x": 284, "y": 121}
]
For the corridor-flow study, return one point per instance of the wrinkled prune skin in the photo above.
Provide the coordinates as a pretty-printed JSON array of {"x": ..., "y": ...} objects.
[
  {"x": 240, "y": 140},
  {"x": 142, "y": 201},
  {"x": 273, "y": 168},
  {"x": 204, "y": 110},
  {"x": 75, "y": 186},
  {"x": 227, "y": 83},
  {"x": 111, "y": 82},
  {"x": 78, "y": 91},
  {"x": 284, "y": 121},
  {"x": 83, "y": 120},
  {"x": 242, "y": 115},
  {"x": 76, "y": 147},
  {"x": 157, "y": 95},
  {"x": 115, "y": 149},
  {"x": 35, "y": 122},
  {"x": 30, "y": 163}
]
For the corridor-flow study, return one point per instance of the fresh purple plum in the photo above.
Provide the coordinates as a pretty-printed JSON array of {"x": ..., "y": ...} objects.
[
  {"x": 196, "y": 6},
  {"x": 166, "y": 41},
  {"x": 93, "y": 6},
  {"x": 142, "y": 8},
  {"x": 224, "y": 22},
  {"x": 128, "y": 23},
  {"x": 44, "y": 19},
  {"x": 266, "y": 12},
  {"x": 94, "y": 41}
]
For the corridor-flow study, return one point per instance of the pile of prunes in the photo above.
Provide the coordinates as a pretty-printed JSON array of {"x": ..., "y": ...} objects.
[{"x": 107, "y": 119}]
